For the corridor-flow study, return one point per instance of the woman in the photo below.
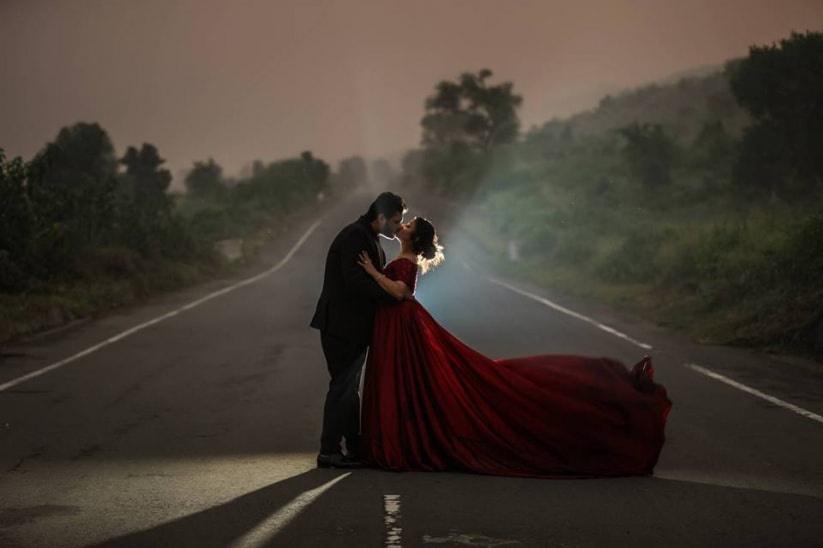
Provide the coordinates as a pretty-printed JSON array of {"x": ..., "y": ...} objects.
[{"x": 430, "y": 402}]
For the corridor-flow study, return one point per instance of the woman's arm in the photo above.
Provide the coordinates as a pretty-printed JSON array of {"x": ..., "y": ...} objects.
[{"x": 397, "y": 289}]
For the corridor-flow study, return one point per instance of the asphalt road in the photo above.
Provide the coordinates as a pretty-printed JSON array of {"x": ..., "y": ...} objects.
[{"x": 201, "y": 429}]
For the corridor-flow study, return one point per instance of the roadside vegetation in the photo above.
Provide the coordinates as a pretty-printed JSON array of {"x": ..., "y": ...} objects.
[
  {"x": 83, "y": 231},
  {"x": 697, "y": 203}
]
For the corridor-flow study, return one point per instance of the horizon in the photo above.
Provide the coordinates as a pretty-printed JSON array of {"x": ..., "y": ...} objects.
[{"x": 198, "y": 98}]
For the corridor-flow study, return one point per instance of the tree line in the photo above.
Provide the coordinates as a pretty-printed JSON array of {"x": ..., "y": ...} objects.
[
  {"x": 707, "y": 205},
  {"x": 780, "y": 154},
  {"x": 76, "y": 200}
]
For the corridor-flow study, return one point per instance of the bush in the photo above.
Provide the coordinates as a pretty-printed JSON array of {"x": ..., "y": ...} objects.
[
  {"x": 109, "y": 262},
  {"x": 574, "y": 248},
  {"x": 802, "y": 257},
  {"x": 633, "y": 260},
  {"x": 12, "y": 278}
]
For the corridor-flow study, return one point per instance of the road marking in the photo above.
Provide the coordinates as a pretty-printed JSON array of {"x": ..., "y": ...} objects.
[
  {"x": 740, "y": 386},
  {"x": 564, "y": 310},
  {"x": 263, "y": 534},
  {"x": 135, "y": 329},
  {"x": 469, "y": 539},
  {"x": 391, "y": 519}
]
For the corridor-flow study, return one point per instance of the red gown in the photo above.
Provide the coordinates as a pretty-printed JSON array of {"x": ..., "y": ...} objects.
[{"x": 430, "y": 402}]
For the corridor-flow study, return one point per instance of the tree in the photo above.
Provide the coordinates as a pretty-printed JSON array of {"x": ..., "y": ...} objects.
[
  {"x": 146, "y": 183},
  {"x": 713, "y": 149},
  {"x": 650, "y": 152},
  {"x": 471, "y": 112},
  {"x": 316, "y": 172},
  {"x": 205, "y": 180},
  {"x": 16, "y": 224},
  {"x": 280, "y": 184},
  {"x": 551, "y": 140},
  {"x": 463, "y": 122},
  {"x": 73, "y": 191},
  {"x": 781, "y": 86},
  {"x": 144, "y": 208},
  {"x": 352, "y": 172}
]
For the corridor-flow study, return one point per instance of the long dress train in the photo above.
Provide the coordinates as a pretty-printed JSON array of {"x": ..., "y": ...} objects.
[{"x": 430, "y": 402}]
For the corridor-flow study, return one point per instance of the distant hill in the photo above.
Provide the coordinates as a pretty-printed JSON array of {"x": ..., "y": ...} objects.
[
  {"x": 694, "y": 72},
  {"x": 682, "y": 103}
]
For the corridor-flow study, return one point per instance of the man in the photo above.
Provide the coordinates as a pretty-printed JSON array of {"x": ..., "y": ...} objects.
[{"x": 345, "y": 317}]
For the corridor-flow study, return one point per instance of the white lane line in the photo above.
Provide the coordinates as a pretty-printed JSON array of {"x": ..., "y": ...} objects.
[
  {"x": 740, "y": 386},
  {"x": 135, "y": 329},
  {"x": 564, "y": 310},
  {"x": 572, "y": 313},
  {"x": 264, "y": 532},
  {"x": 711, "y": 374},
  {"x": 391, "y": 519}
]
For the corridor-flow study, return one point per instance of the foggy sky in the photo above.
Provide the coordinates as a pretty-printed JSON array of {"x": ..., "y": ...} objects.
[{"x": 242, "y": 80}]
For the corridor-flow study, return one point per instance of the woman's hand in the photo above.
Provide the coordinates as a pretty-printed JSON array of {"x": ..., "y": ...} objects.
[{"x": 367, "y": 265}]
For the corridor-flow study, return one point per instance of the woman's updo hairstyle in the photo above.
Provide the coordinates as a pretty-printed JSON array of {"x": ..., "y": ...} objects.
[{"x": 425, "y": 246}]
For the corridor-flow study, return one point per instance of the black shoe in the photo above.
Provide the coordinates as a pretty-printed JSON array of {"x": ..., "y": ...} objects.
[
  {"x": 337, "y": 460},
  {"x": 354, "y": 459}
]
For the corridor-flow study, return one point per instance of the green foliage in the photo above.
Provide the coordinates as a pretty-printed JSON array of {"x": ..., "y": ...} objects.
[
  {"x": 672, "y": 195},
  {"x": 454, "y": 169},
  {"x": 781, "y": 85},
  {"x": 69, "y": 215},
  {"x": 245, "y": 204},
  {"x": 69, "y": 202},
  {"x": 801, "y": 259},
  {"x": 351, "y": 172},
  {"x": 212, "y": 223},
  {"x": 464, "y": 121},
  {"x": 279, "y": 185},
  {"x": 12, "y": 277},
  {"x": 552, "y": 141},
  {"x": 633, "y": 259},
  {"x": 713, "y": 150},
  {"x": 145, "y": 209},
  {"x": 471, "y": 113},
  {"x": 17, "y": 222},
  {"x": 650, "y": 153},
  {"x": 205, "y": 180},
  {"x": 761, "y": 166},
  {"x": 73, "y": 189}
]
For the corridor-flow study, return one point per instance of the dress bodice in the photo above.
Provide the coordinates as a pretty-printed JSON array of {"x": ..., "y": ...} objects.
[{"x": 404, "y": 270}]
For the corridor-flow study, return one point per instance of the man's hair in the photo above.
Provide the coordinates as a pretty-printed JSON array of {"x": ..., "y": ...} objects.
[{"x": 388, "y": 203}]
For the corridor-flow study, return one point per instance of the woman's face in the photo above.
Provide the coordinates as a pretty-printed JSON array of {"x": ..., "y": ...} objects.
[{"x": 407, "y": 230}]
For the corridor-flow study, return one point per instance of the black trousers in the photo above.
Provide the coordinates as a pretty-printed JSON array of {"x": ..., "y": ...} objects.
[{"x": 341, "y": 412}]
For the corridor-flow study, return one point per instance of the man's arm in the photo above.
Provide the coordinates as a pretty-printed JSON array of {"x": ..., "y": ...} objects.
[{"x": 354, "y": 277}]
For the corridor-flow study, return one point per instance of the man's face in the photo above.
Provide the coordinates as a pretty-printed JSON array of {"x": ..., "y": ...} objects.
[{"x": 390, "y": 227}]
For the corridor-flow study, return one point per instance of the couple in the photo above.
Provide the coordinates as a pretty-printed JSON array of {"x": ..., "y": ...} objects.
[{"x": 430, "y": 402}]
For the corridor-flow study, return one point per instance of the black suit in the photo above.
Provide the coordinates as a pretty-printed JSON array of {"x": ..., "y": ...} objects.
[{"x": 345, "y": 317}]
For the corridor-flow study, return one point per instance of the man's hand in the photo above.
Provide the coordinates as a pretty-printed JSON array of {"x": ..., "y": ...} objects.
[{"x": 367, "y": 265}]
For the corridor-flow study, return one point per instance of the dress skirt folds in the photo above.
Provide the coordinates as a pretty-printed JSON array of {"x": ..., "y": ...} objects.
[{"x": 430, "y": 402}]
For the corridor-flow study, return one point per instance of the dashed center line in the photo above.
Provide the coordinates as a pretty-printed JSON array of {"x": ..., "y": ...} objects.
[
  {"x": 391, "y": 520},
  {"x": 755, "y": 392},
  {"x": 564, "y": 310}
]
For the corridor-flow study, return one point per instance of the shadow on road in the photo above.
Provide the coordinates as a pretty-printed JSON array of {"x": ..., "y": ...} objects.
[
  {"x": 453, "y": 509},
  {"x": 222, "y": 524}
]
